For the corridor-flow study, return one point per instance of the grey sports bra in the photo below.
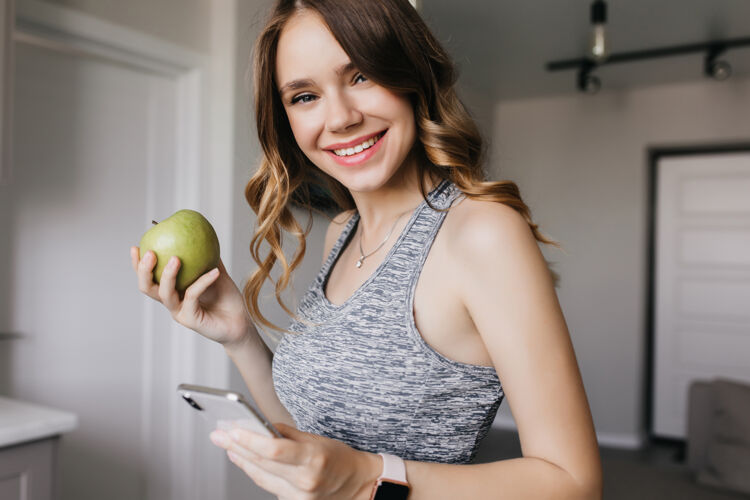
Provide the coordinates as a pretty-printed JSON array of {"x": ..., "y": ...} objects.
[{"x": 362, "y": 373}]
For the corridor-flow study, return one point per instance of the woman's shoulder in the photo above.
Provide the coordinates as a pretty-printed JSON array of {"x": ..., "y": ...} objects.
[
  {"x": 478, "y": 227},
  {"x": 494, "y": 248}
]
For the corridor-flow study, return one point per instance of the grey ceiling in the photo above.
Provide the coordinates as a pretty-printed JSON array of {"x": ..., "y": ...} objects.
[{"x": 501, "y": 47}]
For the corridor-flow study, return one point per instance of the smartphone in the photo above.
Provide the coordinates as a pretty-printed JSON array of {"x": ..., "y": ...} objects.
[{"x": 226, "y": 410}]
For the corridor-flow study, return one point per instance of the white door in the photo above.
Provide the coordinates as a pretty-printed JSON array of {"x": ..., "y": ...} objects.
[
  {"x": 76, "y": 203},
  {"x": 107, "y": 136},
  {"x": 702, "y": 281}
]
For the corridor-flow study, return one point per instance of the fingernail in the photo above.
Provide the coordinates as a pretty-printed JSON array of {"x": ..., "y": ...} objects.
[
  {"x": 219, "y": 438},
  {"x": 235, "y": 435}
]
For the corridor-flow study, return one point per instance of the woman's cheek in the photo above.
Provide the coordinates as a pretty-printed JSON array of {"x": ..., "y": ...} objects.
[{"x": 305, "y": 135}]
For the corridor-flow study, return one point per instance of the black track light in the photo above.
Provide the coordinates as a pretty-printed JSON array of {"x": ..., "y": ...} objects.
[
  {"x": 588, "y": 83},
  {"x": 598, "y": 54},
  {"x": 718, "y": 70},
  {"x": 712, "y": 66}
]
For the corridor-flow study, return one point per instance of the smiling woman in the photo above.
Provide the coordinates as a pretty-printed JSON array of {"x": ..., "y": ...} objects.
[
  {"x": 432, "y": 291},
  {"x": 377, "y": 71}
]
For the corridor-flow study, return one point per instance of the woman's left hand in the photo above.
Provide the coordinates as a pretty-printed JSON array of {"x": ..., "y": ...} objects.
[{"x": 301, "y": 465}]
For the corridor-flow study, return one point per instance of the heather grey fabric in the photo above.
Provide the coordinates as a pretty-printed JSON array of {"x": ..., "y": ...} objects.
[{"x": 361, "y": 373}]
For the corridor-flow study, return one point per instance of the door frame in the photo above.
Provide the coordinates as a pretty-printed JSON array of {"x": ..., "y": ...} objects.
[
  {"x": 7, "y": 22},
  {"x": 655, "y": 154},
  {"x": 203, "y": 181}
]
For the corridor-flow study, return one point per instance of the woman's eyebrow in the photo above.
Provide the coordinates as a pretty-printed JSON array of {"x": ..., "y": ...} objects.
[{"x": 305, "y": 82}]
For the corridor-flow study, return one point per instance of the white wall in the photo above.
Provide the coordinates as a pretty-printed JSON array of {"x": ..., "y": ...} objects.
[
  {"x": 183, "y": 22},
  {"x": 581, "y": 164}
]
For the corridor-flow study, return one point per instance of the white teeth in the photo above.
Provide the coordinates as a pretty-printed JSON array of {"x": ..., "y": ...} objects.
[{"x": 358, "y": 148}]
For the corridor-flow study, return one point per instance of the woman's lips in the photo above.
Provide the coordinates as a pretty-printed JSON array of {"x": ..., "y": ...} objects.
[{"x": 358, "y": 158}]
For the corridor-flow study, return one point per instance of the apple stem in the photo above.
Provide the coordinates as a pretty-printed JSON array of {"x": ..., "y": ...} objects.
[{"x": 154, "y": 222}]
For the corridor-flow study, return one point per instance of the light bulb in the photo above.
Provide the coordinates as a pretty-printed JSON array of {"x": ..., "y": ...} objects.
[{"x": 598, "y": 46}]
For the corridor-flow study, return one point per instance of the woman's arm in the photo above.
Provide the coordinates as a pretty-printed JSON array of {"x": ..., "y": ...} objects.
[
  {"x": 515, "y": 478},
  {"x": 508, "y": 292},
  {"x": 253, "y": 360},
  {"x": 304, "y": 465}
]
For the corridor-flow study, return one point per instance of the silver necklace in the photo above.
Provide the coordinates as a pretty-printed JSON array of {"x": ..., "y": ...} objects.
[{"x": 362, "y": 255}]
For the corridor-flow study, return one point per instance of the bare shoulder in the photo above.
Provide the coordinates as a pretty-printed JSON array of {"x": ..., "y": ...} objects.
[
  {"x": 492, "y": 246},
  {"x": 482, "y": 229},
  {"x": 335, "y": 228}
]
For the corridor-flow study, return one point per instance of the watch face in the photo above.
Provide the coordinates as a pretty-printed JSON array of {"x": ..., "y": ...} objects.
[{"x": 391, "y": 491}]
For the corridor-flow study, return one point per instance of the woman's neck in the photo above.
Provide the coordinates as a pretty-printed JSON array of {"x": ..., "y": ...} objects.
[{"x": 379, "y": 210}]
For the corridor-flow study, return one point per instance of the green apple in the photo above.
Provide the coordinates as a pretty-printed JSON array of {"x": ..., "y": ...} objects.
[{"x": 189, "y": 236}]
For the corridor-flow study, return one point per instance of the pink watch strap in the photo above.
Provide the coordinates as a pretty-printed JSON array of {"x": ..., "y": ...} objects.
[{"x": 393, "y": 468}]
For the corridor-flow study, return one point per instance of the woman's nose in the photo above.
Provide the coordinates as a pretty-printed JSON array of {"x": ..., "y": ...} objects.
[{"x": 341, "y": 114}]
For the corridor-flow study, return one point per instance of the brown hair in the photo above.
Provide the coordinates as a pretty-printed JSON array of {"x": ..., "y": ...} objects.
[{"x": 390, "y": 44}]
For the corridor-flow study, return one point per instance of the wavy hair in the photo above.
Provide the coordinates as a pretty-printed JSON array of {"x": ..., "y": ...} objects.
[{"x": 390, "y": 44}]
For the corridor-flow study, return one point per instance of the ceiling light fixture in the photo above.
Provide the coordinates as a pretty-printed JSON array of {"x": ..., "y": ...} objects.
[
  {"x": 718, "y": 70},
  {"x": 712, "y": 66},
  {"x": 598, "y": 43},
  {"x": 598, "y": 54},
  {"x": 588, "y": 83}
]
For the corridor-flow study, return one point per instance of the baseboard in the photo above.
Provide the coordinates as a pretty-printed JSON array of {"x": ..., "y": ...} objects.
[{"x": 624, "y": 441}]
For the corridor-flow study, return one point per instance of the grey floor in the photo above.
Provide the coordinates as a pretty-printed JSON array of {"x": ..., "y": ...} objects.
[{"x": 656, "y": 472}]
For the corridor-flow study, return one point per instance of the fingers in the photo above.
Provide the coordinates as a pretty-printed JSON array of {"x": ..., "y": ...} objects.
[
  {"x": 302, "y": 464},
  {"x": 167, "y": 292},
  {"x": 164, "y": 291},
  {"x": 134, "y": 251},
  {"x": 250, "y": 458},
  {"x": 193, "y": 293},
  {"x": 252, "y": 444},
  {"x": 144, "y": 269},
  {"x": 267, "y": 480}
]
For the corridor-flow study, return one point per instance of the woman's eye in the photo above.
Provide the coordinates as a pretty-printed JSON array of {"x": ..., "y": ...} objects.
[
  {"x": 360, "y": 75},
  {"x": 303, "y": 98}
]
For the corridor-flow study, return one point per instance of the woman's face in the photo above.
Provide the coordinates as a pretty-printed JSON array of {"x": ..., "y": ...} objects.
[{"x": 354, "y": 130}]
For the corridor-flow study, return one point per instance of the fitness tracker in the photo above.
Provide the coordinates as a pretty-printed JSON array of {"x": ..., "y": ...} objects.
[{"x": 391, "y": 485}]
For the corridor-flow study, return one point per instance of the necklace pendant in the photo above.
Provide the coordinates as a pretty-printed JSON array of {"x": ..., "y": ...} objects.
[{"x": 359, "y": 262}]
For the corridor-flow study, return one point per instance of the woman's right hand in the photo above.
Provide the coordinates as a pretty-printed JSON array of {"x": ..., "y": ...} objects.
[{"x": 212, "y": 306}]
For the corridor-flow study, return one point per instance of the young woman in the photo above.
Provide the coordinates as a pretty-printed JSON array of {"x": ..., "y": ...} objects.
[{"x": 432, "y": 290}]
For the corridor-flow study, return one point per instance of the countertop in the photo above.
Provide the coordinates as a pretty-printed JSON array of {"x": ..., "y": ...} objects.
[{"x": 21, "y": 422}]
